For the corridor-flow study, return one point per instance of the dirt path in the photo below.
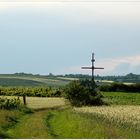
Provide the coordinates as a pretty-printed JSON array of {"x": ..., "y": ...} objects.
[{"x": 30, "y": 126}]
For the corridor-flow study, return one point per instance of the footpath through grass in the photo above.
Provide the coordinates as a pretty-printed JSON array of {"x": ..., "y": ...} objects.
[
  {"x": 25, "y": 122},
  {"x": 64, "y": 123},
  {"x": 30, "y": 126},
  {"x": 52, "y": 118}
]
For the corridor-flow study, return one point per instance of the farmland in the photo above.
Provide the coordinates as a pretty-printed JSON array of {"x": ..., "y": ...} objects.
[
  {"x": 79, "y": 124},
  {"x": 123, "y": 116},
  {"x": 29, "y": 80},
  {"x": 32, "y": 80},
  {"x": 48, "y": 114},
  {"x": 54, "y": 118}
]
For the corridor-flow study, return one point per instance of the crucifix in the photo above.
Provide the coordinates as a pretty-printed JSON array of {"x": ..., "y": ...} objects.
[{"x": 92, "y": 67}]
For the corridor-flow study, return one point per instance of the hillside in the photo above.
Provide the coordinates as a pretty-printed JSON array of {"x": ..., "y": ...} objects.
[
  {"x": 23, "y": 79},
  {"x": 32, "y": 80}
]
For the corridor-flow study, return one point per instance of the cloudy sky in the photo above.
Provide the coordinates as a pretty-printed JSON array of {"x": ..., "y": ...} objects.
[{"x": 58, "y": 36}]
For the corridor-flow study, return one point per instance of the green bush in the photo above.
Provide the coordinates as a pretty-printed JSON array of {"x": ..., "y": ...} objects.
[{"x": 82, "y": 93}]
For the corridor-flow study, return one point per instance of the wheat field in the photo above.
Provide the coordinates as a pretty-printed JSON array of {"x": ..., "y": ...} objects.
[{"x": 124, "y": 115}]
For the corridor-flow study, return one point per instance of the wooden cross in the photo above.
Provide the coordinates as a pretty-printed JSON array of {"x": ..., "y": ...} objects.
[{"x": 92, "y": 67}]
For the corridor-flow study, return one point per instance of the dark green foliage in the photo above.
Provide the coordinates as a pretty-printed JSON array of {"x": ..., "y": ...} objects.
[
  {"x": 82, "y": 93},
  {"x": 57, "y": 93},
  {"x": 9, "y": 103},
  {"x": 120, "y": 87}
]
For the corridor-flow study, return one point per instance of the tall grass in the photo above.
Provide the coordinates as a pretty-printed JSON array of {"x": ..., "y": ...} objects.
[
  {"x": 70, "y": 124},
  {"x": 30, "y": 126},
  {"x": 127, "y": 117},
  {"x": 8, "y": 118}
]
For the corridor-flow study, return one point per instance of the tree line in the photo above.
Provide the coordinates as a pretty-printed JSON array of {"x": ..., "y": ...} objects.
[{"x": 120, "y": 87}]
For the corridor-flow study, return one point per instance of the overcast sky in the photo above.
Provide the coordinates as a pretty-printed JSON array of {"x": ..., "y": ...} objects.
[{"x": 58, "y": 37}]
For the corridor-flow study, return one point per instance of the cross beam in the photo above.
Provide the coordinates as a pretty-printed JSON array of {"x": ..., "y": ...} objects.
[{"x": 92, "y": 67}]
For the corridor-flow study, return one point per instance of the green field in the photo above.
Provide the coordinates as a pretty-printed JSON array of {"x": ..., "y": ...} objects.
[
  {"x": 121, "y": 98},
  {"x": 40, "y": 80},
  {"x": 55, "y": 118},
  {"x": 27, "y": 80},
  {"x": 19, "y": 82},
  {"x": 79, "y": 124}
]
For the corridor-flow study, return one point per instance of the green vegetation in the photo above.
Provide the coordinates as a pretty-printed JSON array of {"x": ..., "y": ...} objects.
[
  {"x": 31, "y": 126},
  {"x": 9, "y": 103},
  {"x": 121, "y": 98},
  {"x": 129, "y": 78},
  {"x": 30, "y": 91},
  {"x": 30, "y": 80},
  {"x": 120, "y": 87},
  {"x": 52, "y": 118},
  {"x": 71, "y": 124},
  {"x": 9, "y": 118},
  {"x": 19, "y": 82},
  {"x": 82, "y": 93},
  {"x": 45, "y": 117},
  {"x": 28, "y": 123},
  {"x": 24, "y": 79},
  {"x": 123, "y": 117}
]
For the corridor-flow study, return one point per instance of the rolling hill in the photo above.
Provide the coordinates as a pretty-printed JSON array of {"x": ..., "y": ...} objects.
[{"x": 32, "y": 80}]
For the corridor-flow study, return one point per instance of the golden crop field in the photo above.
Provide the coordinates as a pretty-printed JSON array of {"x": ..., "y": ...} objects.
[
  {"x": 44, "y": 102},
  {"x": 124, "y": 115},
  {"x": 41, "y": 102}
]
